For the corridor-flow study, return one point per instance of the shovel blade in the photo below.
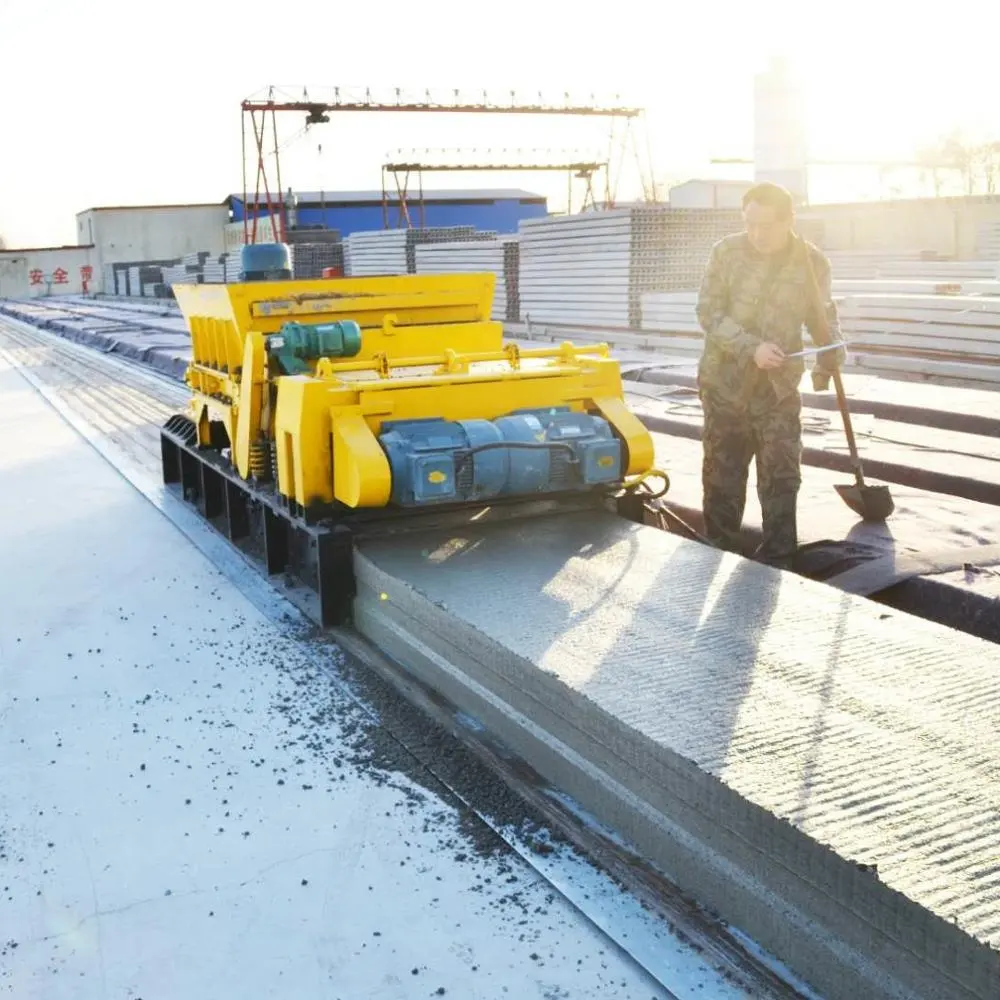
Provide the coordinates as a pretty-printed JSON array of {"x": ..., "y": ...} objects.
[{"x": 870, "y": 503}]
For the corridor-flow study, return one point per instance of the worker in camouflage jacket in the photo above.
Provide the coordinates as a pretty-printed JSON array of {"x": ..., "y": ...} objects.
[{"x": 760, "y": 288}]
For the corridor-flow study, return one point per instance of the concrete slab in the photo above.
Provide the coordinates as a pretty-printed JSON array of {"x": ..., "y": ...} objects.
[
  {"x": 922, "y": 520},
  {"x": 974, "y": 410},
  {"x": 768, "y": 741},
  {"x": 912, "y": 450},
  {"x": 160, "y": 342},
  {"x": 191, "y": 807}
]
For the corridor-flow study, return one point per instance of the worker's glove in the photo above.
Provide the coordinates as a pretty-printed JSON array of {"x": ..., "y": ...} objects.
[{"x": 820, "y": 380}]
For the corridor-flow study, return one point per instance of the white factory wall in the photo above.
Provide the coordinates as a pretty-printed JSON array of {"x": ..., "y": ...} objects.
[
  {"x": 708, "y": 194},
  {"x": 156, "y": 232},
  {"x": 34, "y": 273}
]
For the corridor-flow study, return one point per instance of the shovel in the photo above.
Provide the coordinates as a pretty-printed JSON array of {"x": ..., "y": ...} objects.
[{"x": 870, "y": 503}]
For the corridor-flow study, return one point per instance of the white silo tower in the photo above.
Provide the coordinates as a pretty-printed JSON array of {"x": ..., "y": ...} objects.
[{"x": 780, "y": 153}]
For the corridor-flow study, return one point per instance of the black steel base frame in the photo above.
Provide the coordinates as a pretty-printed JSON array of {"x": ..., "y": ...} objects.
[{"x": 319, "y": 554}]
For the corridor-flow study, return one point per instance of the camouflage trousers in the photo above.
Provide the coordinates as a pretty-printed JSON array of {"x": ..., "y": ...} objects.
[{"x": 771, "y": 433}]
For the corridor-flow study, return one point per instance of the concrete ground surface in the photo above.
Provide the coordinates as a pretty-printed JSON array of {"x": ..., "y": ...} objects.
[
  {"x": 191, "y": 807},
  {"x": 133, "y": 417}
]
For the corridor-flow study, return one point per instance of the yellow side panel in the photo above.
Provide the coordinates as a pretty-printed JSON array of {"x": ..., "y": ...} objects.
[
  {"x": 632, "y": 429},
  {"x": 469, "y": 401},
  {"x": 404, "y": 342},
  {"x": 195, "y": 326},
  {"x": 302, "y": 440},
  {"x": 252, "y": 387},
  {"x": 208, "y": 301},
  {"x": 414, "y": 299},
  {"x": 361, "y": 475}
]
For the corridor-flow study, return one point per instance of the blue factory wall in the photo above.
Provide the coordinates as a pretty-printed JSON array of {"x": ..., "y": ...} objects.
[{"x": 501, "y": 215}]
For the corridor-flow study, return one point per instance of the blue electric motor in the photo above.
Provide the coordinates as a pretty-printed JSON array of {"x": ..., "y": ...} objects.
[{"x": 530, "y": 452}]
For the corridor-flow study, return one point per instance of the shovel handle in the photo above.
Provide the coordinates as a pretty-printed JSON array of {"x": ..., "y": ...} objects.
[
  {"x": 838, "y": 383},
  {"x": 852, "y": 444}
]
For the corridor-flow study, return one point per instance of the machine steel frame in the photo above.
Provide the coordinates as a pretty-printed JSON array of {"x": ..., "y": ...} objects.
[{"x": 262, "y": 110}]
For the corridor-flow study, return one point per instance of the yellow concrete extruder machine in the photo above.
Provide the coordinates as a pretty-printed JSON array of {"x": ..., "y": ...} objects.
[{"x": 322, "y": 410}]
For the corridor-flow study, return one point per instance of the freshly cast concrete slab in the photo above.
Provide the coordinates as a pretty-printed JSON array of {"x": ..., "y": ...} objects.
[{"x": 821, "y": 771}]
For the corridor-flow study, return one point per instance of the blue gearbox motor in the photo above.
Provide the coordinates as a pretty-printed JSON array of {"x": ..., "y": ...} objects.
[{"x": 529, "y": 452}]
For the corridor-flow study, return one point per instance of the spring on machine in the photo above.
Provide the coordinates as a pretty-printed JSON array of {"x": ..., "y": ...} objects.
[{"x": 261, "y": 457}]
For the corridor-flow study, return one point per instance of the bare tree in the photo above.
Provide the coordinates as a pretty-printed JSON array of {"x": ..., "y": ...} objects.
[
  {"x": 977, "y": 165},
  {"x": 986, "y": 163},
  {"x": 3, "y": 243},
  {"x": 960, "y": 156},
  {"x": 931, "y": 161}
]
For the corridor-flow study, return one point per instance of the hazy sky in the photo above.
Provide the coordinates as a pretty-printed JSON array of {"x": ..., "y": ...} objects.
[{"x": 115, "y": 103}]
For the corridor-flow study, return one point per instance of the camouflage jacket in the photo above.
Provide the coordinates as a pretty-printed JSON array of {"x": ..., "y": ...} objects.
[{"x": 747, "y": 298}]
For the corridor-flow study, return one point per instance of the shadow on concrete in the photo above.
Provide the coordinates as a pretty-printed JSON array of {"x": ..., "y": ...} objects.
[
  {"x": 820, "y": 725},
  {"x": 657, "y": 631}
]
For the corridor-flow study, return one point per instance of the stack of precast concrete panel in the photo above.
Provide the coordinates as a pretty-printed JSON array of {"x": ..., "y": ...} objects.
[
  {"x": 988, "y": 241},
  {"x": 312, "y": 234},
  {"x": 912, "y": 266},
  {"x": 593, "y": 268},
  {"x": 493, "y": 256},
  {"x": 687, "y": 237},
  {"x": 866, "y": 264},
  {"x": 512, "y": 271},
  {"x": 382, "y": 251},
  {"x": 313, "y": 250},
  {"x": 945, "y": 338},
  {"x": 938, "y": 270},
  {"x": 393, "y": 251},
  {"x": 309, "y": 260},
  {"x": 213, "y": 271}
]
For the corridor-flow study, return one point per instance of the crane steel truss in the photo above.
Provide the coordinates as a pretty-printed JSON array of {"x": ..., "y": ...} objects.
[
  {"x": 479, "y": 161},
  {"x": 262, "y": 111}
]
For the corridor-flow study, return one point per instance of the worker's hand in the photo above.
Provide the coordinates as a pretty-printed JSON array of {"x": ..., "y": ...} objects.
[
  {"x": 769, "y": 356},
  {"x": 820, "y": 380}
]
